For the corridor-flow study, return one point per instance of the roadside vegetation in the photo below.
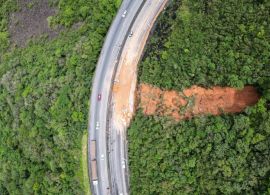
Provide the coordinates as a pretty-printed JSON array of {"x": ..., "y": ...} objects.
[
  {"x": 206, "y": 43},
  {"x": 44, "y": 98},
  {"x": 6, "y": 7},
  {"x": 210, "y": 43},
  {"x": 85, "y": 179}
]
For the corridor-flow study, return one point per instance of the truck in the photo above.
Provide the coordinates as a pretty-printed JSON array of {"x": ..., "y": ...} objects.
[
  {"x": 94, "y": 170},
  {"x": 93, "y": 150}
]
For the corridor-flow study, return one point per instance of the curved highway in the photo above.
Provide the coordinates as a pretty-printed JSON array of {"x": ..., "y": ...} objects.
[
  {"x": 123, "y": 93},
  {"x": 97, "y": 142},
  {"x": 106, "y": 172}
]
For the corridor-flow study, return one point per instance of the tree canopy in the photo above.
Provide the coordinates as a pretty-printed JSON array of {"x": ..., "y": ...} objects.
[
  {"x": 206, "y": 43},
  {"x": 44, "y": 99}
]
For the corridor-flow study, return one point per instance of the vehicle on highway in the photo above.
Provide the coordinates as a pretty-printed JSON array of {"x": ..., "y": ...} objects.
[
  {"x": 93, "y": 150},
  {"x": 130, "y": 34},
  {"x": 102, "y": 157},
  {"x": 124, "y": 14},
  {"x": 97, "y": 125},
  {"x": 99, "y": 97},
  {"x": 94, "y": 170},
  {"x": 112, "y": 169},
  {"x": 123, "y": 164},
  {"x": 95, "y": 182}
]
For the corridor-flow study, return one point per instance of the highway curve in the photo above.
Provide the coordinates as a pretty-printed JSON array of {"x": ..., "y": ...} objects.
[
  {"x": 107, "y": 160},
  {"x": 123, "y": 94}
]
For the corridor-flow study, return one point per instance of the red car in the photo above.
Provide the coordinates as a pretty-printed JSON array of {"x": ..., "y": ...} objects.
[{"x": 99, "y": 97}]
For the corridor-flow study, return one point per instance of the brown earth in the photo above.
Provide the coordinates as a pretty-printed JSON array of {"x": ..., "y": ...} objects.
[
  {"x": 195, "y": 101},
  {"x": 31, "y": 21},
  {"x": 124, "y": 87}
]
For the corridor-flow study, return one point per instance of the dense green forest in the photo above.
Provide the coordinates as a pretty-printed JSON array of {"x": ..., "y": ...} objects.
[
  {"x": 206, "y": 43},
  {"x": 45, "y": 88},
  {"x": 6, "y": 7},
  {"x": 206, "y": 155},
  {"x": 210, "y": 43},
  {"x": 44, "y": 98}
]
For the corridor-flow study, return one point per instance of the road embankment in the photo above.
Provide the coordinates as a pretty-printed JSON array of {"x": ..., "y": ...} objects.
[{"x": 123, "y": 91}]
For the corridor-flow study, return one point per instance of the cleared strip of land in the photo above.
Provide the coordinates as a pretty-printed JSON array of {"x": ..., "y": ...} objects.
[{"x": 195, "y": 101}]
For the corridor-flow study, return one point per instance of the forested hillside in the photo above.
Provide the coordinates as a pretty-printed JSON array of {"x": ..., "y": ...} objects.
[
  {"x": 210, "y": 43},
  {"x": 206, "y": 43},
  {"x": 6, "y": 6},
  {"x": 44, "y": 98}
]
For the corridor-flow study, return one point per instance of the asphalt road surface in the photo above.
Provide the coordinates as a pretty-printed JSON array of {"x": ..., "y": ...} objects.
[
  {"x": 112, "y": 178},
  {"x": 123, "y": 95},
  {"x": 101, "y": 92}
]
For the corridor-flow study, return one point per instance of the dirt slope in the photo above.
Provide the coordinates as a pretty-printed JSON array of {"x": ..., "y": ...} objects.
[
  {"x": 124, "y": 88},
  {"x": 195, "y": 101}
]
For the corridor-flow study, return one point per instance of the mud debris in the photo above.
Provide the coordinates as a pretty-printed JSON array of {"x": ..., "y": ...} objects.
[{"x": 195, "y": 101}]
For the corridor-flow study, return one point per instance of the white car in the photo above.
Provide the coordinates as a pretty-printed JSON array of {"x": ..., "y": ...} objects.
[
  {"x": 124, "y": 14},
  {"x": 116, "y": 80},
  {"x": 97, "y": 125},
  {"x": 102, "y": 157},
  {"x": 123, "y": 164}
]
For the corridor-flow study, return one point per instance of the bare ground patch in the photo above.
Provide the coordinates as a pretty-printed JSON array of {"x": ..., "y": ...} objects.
[
  {"x": 195, "y": 101},
  {"x": 31, "y": 21}
]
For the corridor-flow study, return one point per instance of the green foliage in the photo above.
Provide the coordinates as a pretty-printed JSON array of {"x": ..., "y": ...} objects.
[
  {"x": 75, "y": 11},
  {"x": 3, "y": 40},
  {"x": 210, "y": 43},
  {"x": 44, "y": 101},
  {"x": 6, "y": 6},
  {"x": 206, "y": 43},
  {"x": 207, "y": 155}
]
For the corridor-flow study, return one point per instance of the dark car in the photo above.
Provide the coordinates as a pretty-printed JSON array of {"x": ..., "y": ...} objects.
[
  {"x": 130, "y": 34},
  {"x": 99, "y": 97}
]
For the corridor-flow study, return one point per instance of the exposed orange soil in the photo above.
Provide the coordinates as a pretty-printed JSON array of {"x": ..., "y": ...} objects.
[
  {"x": 195, "y": 101},
  {"x": 124, "y": 87}
]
